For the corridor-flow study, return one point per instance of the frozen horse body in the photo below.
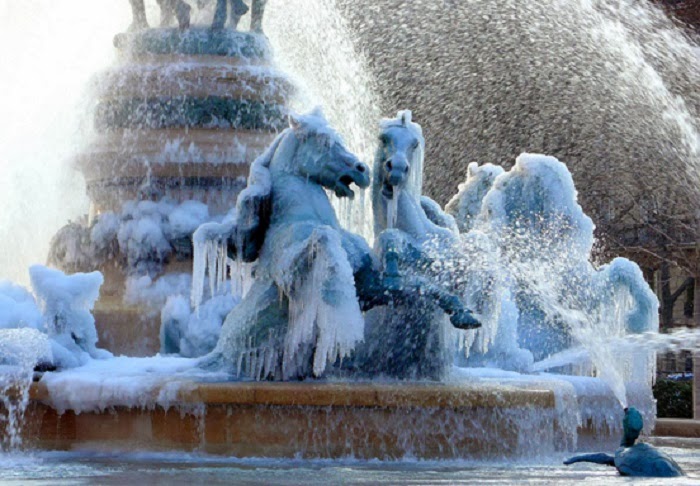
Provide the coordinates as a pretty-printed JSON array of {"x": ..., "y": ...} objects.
[
  {"x": 409, "y": 339},
  {"x": 302, "y": 313}
]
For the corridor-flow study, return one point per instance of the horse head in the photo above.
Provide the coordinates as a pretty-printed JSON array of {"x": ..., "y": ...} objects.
[
  {"x": 399, "y": 159},
  {"x": 321, "y": 156}
]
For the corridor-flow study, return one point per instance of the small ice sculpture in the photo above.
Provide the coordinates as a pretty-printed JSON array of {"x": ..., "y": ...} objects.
[{"x": 60, "y": 309}]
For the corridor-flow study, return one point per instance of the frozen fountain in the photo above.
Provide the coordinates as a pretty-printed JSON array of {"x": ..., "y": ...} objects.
[{"x": 481, "y": 330}]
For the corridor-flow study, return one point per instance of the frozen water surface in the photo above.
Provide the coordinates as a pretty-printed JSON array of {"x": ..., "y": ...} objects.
[{"x": 77, "y": 468}]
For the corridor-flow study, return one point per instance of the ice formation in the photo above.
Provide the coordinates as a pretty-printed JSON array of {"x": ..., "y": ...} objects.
[
  {"x": 302, "y": 312},
  {"x": 60, "y": 309},
  {"x": 465, "y": 206},
  {"x": 144, "y": 233},
  {"x": 66, "y": 302},
  {"x": 409, "y": 339},
  {"x": 526, "y": 267}
]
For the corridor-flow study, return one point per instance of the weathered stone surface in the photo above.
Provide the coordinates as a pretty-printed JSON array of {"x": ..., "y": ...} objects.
[{"x": 328, "y": 420}]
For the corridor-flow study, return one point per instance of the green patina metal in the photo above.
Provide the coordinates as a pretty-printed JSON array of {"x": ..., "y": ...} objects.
[
  {"x": 172, "y": 112},
  {"x": 195, "y": 42}
]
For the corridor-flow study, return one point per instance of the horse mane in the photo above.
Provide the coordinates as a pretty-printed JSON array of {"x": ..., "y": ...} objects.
[
  {"x": 404, "y": 119},
  {"x": 254, "y": 204}
]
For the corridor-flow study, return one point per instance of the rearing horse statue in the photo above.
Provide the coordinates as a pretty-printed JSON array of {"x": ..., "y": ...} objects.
[
  {"x": 304, "y": 311},
  {"x": 409, "y": 339}
]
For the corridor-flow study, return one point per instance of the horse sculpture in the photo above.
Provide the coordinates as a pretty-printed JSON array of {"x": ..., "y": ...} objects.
[
  {"x": 304, "y": 311},
  {"x": 408, "y": 339}
]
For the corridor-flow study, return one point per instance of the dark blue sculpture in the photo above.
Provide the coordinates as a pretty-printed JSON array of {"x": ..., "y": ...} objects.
[{"x": 641, "y": 460}]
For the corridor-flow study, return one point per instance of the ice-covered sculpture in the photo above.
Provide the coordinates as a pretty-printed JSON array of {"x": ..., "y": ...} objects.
[
  {"x": 60, "y": 309},
  {"x": 303, "y": 311},
  {"x": 409, "y": 338},
  {"x": 465, "y": 206},
  {"x": 532, "y": 278}
]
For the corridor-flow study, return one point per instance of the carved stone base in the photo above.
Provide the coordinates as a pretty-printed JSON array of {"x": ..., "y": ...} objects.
[{"x": 325, "y": 420}]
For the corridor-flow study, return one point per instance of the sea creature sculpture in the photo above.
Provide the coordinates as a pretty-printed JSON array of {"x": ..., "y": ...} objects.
[
  {"x": 303, "y": 311},
  {"x": 634, "y": 459},
  {"x": 408, "y": 339}
]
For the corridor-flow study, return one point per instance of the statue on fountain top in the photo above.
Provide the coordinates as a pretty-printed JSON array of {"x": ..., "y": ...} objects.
[{"x": 180, "y": 10}]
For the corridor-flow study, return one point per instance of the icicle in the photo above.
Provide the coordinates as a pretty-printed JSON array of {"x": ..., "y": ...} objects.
[
  {"x": 210, "y": 243},
  {"x": 392, "y": 209}
]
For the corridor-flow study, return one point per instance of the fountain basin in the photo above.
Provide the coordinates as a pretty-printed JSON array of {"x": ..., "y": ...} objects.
[{"x": 314, "y": 420}]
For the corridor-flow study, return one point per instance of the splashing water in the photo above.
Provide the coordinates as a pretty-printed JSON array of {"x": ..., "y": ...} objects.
[
  {"x": 313, "y": 43},
  {"x": 607, "y": 87},
  {"x": 20, "y": 351},
  {"x": 49, "y": 50}
]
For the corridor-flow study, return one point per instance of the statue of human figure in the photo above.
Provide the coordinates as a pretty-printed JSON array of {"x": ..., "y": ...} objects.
[
  {"x": 169, "y": 10},
  {"x": 237, "y": 9}
]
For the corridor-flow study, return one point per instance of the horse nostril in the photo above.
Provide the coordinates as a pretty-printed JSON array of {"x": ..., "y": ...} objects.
[
  {"x": 389, "y": 165},
  {"x": 405, "y": 169},
  {"x": 360, "y": 168}
]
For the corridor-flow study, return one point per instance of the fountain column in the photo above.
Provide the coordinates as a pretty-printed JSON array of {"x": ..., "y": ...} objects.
[{"x": 179, "y": 118}]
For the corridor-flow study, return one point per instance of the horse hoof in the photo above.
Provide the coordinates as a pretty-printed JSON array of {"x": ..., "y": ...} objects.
[{"x": 464, "y": 320}]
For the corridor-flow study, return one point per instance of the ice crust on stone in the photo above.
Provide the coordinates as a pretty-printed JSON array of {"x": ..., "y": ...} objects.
[
  {"x": 145, "y": 232},
  {"x": 100, "y": 385}
]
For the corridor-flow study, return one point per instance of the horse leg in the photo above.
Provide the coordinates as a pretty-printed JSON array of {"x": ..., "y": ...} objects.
[
  {"x": 138, "y": 10},
  {"x": 257, "y": 14},
  {"x": 252, "y": 335},
  {"x": 167, "y": 12},
  {"x": 182, "y": 12},
  {"x": 238, "y": 10},
  {"x": 219, "y": 15}
]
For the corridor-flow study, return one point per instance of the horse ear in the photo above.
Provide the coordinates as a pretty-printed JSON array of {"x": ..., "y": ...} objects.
[
  {"x": 318, "y": 111},
  {"x": 294, "y": 121},
  {"x": 406, "y": 117}
]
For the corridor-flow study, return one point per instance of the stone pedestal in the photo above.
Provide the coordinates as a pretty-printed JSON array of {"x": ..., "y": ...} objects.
[
  {"x": 180, "y": 117},
  {"x": 323, "y": 420}
]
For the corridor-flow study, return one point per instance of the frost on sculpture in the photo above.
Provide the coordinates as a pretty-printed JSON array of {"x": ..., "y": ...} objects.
[
  {"x": 302, "y": 311},
  {"x": 60, "y": 309},
  {"x": 531, "y": 277},
  {"x": 465, "y": 206},
  {"x": 411, "y": 337},
  {"x": 144, "y": 235}
]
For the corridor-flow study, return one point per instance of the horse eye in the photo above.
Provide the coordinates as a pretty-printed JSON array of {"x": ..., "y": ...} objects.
[{"x": 415, "y": 145}]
